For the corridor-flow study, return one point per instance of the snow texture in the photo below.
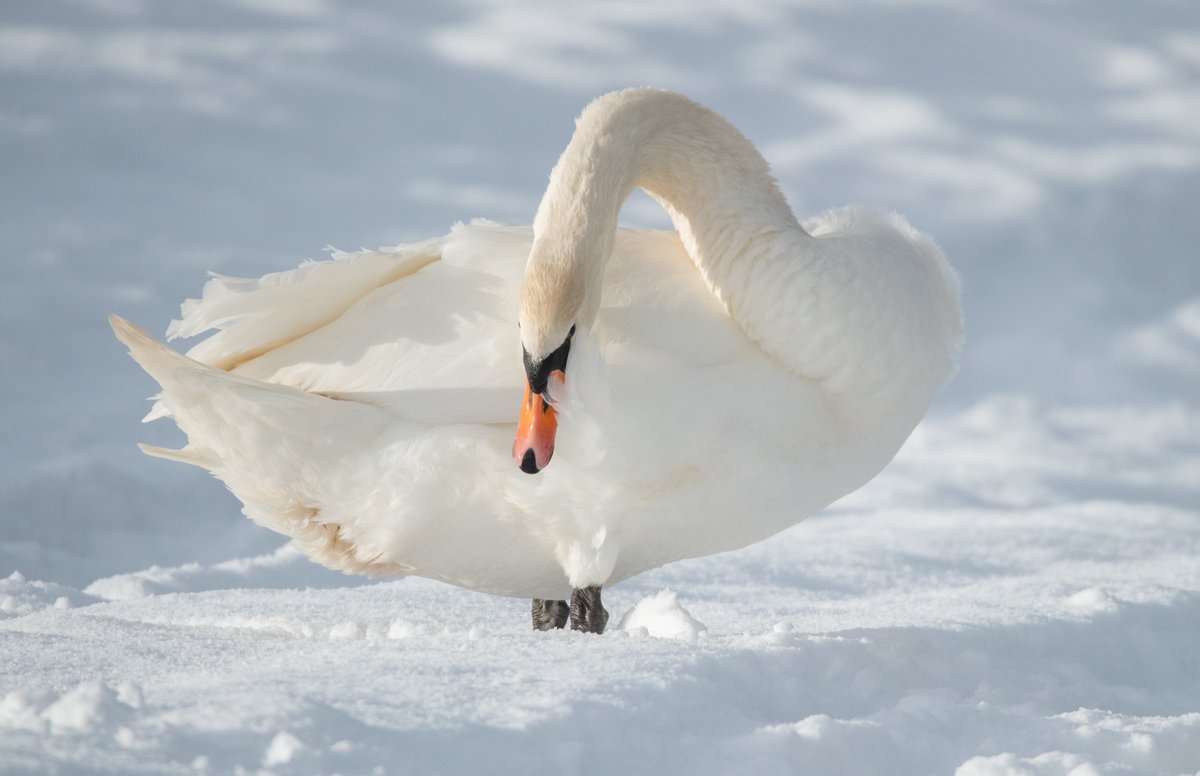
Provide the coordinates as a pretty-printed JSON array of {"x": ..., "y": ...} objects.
[{"x": 1018, "y": 593}]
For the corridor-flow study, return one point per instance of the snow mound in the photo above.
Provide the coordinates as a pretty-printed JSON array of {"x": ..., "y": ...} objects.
[
  {"x": 20, "y": 596},
  {"x": 285, "y": 567},
  {"x": 1008, "y": 764},
  {"x": 87, "y": 707},
  {"x": 283, "y": 749},
  {"x": 661, "y": 616},
  {"x": 1093, "y": 600},
  {"x": 1172, "y": 342}
]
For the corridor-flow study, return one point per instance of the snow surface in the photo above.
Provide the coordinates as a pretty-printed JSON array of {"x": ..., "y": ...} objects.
[{"x": 1019, "y": 593}]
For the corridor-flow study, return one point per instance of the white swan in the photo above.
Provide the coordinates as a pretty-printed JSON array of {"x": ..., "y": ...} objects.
[{"x": 710, "y": 387}]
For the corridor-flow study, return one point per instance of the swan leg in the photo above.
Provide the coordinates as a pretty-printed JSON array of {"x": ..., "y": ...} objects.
[
  {"x": 549, "y": 614},
  {"x": 587, "y": 613}
]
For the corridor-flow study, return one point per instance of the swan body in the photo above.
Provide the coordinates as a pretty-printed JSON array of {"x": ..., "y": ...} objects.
[{"x": 724, "y": 380}]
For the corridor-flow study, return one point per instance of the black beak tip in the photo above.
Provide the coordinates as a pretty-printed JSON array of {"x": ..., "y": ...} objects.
[{"x": 528, "y": 463}]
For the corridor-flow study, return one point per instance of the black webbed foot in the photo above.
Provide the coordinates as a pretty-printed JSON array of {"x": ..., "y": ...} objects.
[
  {"x": 587, "y": 613},
  {"x": 549, "y": 614}
]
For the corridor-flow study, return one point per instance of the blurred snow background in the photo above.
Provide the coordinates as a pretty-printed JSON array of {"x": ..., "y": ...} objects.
[{"x": 1049, "y": 507}]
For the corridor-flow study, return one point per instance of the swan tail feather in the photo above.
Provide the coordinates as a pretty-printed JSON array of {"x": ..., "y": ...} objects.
[
  {"x": 183, "y": 455},
  {"x": 257, "y": 438},
  {"x": 219, "y": 411},
  {"x": 157, "y": 359}
]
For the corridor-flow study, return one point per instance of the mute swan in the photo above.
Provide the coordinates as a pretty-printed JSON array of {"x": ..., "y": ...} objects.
[{"x": 699, "y": 389}]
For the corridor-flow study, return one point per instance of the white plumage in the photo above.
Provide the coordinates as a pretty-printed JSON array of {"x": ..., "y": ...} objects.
[{"x": 723, "y": 383}]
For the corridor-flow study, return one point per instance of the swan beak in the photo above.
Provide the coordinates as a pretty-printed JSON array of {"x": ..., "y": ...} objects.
[{"x": 535, "y": 430}]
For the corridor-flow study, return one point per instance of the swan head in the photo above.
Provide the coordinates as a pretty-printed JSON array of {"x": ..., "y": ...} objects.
[
  {"x": 545, "y": 375},
  {"x": 554, "y": 296}
]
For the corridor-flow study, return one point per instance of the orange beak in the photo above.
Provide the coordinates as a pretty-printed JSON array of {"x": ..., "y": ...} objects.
[{"x": 535, "y": 430}]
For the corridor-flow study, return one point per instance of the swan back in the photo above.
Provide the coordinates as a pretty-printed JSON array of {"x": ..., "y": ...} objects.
[{"x": 874, "y": 315}]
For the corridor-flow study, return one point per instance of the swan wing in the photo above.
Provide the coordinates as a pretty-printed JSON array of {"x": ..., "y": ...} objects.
[
  {"x": 427, "y": 331},
  {"x": 252, "y": 316}
]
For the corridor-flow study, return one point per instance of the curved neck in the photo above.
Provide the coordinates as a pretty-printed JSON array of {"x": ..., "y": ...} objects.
[
  {"x": 866, "y": 309},
  {"x": 714, "y": 184}
]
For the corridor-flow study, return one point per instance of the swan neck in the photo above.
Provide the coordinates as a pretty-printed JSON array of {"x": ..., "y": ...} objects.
[{"x": 714, "y": 184}]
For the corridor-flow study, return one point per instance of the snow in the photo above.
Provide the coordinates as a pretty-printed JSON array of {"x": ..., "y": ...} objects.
[
  {"x": 663, "y": 617},
  {"x": 1018, "y": 593}
]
